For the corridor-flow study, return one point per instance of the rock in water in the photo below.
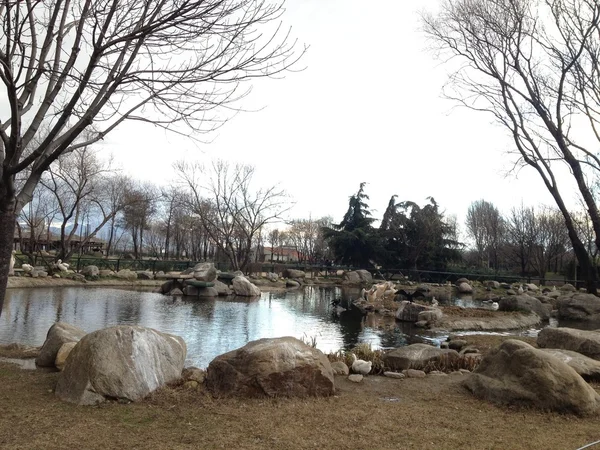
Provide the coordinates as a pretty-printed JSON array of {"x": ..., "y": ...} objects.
[
  {"x": 205, "y": 272},
  {"x": 517, "y": 373},
  {"x": 243, "y": 287},
  {"x": 277, "y": 367},
  {"x": 60, "y": 333},
  {"x": 122, "y": 362}
]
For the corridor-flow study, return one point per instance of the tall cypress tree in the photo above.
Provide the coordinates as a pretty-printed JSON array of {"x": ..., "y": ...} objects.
[{"x": 354, "y": 241}]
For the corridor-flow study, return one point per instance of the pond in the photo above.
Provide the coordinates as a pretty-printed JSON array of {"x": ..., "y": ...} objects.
[{"x": 210, "y": 327}]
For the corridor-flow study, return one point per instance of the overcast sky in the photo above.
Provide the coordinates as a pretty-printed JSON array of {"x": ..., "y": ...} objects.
[{"x": 368, "y": 107}]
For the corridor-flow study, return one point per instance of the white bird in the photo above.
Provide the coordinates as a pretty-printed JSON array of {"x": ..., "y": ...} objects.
[
  {"x": 363, "y": 294},
  {"x": 27, "y": 268},
  {"x": 360, "y": 366},
  {"x": 553, "y": 288},
  {"x": 434, "y": 302},
  {"x": 63, "y": 267},
  {"x": 520, "y": 290},
  {"x": 495, "y": 306}
]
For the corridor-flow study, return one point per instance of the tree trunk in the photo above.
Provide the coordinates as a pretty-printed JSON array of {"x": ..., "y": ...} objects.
[{"x": 8, "y": 219}]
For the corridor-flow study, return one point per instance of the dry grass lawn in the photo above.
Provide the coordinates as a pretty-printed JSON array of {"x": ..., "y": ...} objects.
[{"x": 381, "y": 413}]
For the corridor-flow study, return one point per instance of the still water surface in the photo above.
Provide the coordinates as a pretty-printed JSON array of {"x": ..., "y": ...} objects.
[{"x": 210, "y": 327}]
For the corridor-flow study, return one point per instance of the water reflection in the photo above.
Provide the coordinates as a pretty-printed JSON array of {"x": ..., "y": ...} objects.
[{"x": 209, "y": 326}]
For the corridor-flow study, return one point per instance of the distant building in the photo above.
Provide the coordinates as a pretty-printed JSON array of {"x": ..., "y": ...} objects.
[
  {"x": 48, "y": 242},
  {"x": 280, "y": 254}
]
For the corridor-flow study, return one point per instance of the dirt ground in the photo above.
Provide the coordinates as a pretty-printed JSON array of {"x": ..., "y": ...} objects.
[{"x": 380, "y": 413}]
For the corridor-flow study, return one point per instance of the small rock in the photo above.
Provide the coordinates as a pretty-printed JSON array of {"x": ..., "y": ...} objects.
[
  {"x": 397, "y": 375},
  {"x": 193, "y": 374},
  {"x": 457, "y": 344},
  {"x": 355, "y": 378},
  {"x": 414, "y": 373},
  {"x": 192, "y": 384}
]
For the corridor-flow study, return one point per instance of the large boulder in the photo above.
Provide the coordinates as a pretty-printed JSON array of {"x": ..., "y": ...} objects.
[
  {"x": 205, "y": 272},
  {"x": 587, "y": 367},
  {"x": 465, "y": 288},
  {"x": 241, "y": 286},
  {"x": 417, "y": 356},
  {"x": 516, "y": 373},
  {"x": 581, "y": 341},
  {"x": 122, "y": 362},
  {"x": 126, "y": 274},
  {"x": 63, "y": 354},
  {"x": 492, "y": 284},
  {"x": 90, "y": 271},
  {"x": 357, "y": 277},
  {"x": 222, "y": 288},
  {"x": 409, "y": 312},
  {"x": 584, "y": 307},
  {"x": 145, "y": 275},
  {"x": 276, "y": 367},
  {"x": 524, "y": 303},
  {"x": 293, "y": 273},
  {"x": 60, "y": 333}
]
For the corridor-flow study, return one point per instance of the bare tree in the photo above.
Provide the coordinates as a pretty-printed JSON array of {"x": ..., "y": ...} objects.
[
  {"x": 535, "y": 66},
  {"x": 111, "y": 201},
  {"x": 551, "y": 239},
  {"x": 138, "y": 211},
  {"x": 231, "y": 209},
  {"x": 275, "y": 242},
  {"x": 35, "y": 221},
  {"x": 307, "y": 238},
  {"x": 71, "y": 66},
  {"x": 74, "y": 180},
  {"x": 520, "y": 236},
  {"x": 485, "y": 226}
]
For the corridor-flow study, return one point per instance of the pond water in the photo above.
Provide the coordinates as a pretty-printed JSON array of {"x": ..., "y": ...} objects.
[{"x": 210, "y": 327}]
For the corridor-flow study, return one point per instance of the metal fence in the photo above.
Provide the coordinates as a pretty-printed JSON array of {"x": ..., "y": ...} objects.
[{"x": 320, "y": 270}]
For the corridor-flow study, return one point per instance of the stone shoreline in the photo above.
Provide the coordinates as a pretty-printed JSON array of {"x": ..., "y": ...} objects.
[{"x": 504, "y": 323}]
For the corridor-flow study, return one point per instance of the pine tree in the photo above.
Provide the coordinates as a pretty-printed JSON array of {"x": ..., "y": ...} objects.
[{"x": 354, "y": 241}]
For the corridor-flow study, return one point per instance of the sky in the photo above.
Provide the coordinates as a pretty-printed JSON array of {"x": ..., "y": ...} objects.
[{"x": 367, "y": 107}]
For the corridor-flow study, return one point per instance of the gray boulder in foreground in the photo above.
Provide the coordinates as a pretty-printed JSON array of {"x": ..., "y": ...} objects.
[
  {"x": 275, "y": 367},
  {"x": 581, "y": 341},
  {"x": 516, "y": 373},
  {"x": 59, "y": 333},
  {"x": 122, "y": 362}
]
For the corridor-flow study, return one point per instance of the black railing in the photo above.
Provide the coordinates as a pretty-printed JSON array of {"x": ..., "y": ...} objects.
[{"x": 320, "y": 270}]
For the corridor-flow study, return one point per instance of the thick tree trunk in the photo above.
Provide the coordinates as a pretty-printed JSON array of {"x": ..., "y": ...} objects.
[{"x": 8, "y": 219}]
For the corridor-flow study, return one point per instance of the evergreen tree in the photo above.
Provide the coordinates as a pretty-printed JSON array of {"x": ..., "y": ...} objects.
[{"x": 354, "y": 241}]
